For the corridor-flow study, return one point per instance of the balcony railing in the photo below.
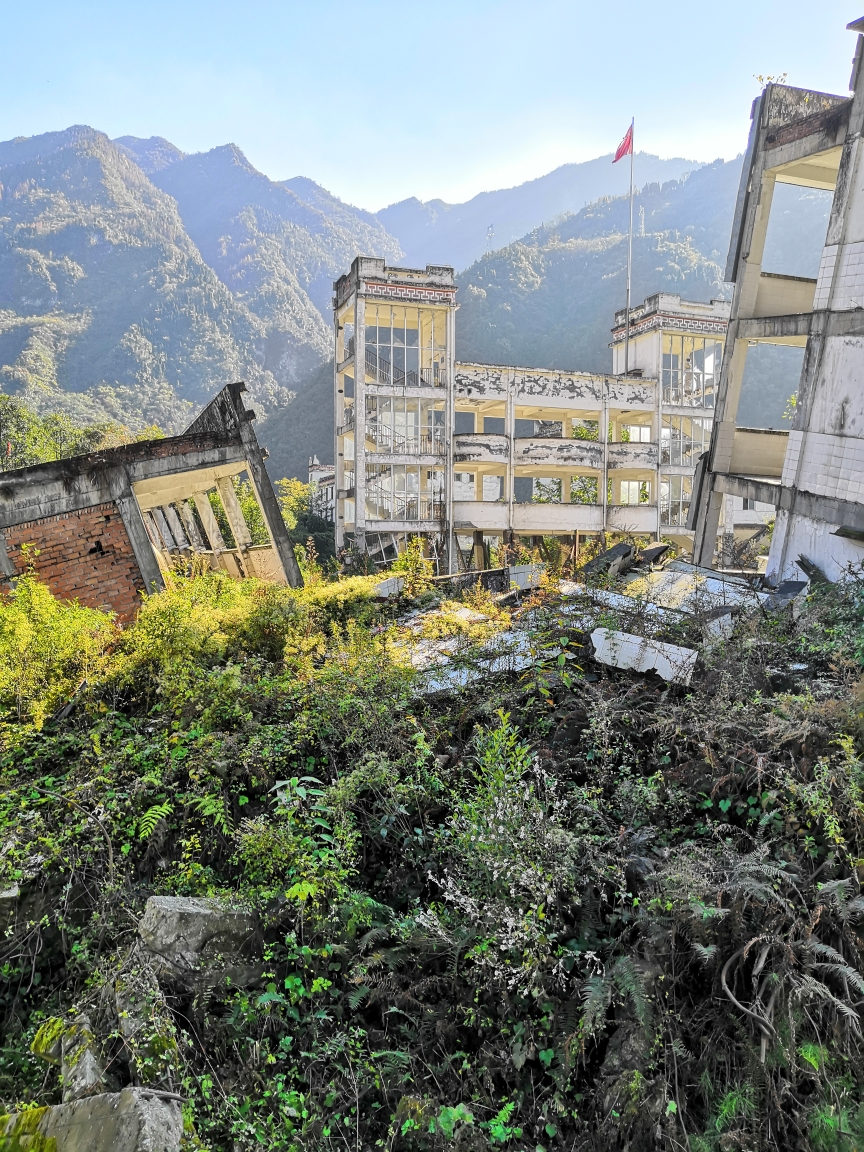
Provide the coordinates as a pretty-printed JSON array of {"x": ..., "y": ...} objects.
[
  {"x": 384, "y": 506},
  {"x": 387, "y": 439},
  {"x": 384, "y": 372},
  {"x": 348, "y": 418}
]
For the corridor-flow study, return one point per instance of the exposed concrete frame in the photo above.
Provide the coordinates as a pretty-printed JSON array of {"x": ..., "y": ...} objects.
[
  {"x": 136, "y": 478},
  {"x": 810, "y": 139}
]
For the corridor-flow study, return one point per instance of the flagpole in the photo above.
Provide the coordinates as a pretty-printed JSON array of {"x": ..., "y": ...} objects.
[{"x": 629, "y": 255}]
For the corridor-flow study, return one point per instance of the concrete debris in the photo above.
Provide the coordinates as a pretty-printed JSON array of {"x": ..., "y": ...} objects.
[
  {"x": 134, "y": 1120},
  {"x": 390, "y": 588},
  {"x": 73, "y": 1045},
  {"x": 622, "y": 650},
  {"x": 519, "y": 576},
  {"x": 145, "y": 1024},
  {"x": 525, "y": 576},
  {"x": 692, "y": 590},
  {"x": 185, "y": 936},
  {"x": 8, "y": 906},
  {"x": 81, "y": 1063},
  {"x": 613, "y": 562}
]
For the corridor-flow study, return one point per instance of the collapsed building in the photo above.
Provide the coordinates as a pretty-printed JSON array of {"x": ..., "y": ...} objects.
[
  {"x": 813, "y": 476},
  {"x": 106, "y": 527},
  {"x": 466, "y": 455}
]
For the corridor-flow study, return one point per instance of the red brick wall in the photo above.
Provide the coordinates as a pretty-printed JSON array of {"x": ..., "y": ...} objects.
[{"x": 84, "y": 556}]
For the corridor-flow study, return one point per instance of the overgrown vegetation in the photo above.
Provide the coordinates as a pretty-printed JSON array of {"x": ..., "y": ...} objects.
[{"x": 565, "y": 908}]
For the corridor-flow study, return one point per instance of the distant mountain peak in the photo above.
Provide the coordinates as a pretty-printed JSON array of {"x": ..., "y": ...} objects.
[{"x": 151, "y": 155}]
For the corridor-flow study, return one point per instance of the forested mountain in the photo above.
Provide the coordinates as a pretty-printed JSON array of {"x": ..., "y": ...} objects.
[
  {"x": 549, "y": 299},
  {"x": 107, "y": 309},
  {"x": 135, "y": 279},
  {"x": 435, "y": 232},
  {"x": 277, "y": 253}
]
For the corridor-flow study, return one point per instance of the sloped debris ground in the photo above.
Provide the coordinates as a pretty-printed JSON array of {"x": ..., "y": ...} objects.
[{"x": 545, "y": 905}]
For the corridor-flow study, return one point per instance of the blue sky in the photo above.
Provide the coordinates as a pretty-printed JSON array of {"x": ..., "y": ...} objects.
[{"x": 380, "y": 100}]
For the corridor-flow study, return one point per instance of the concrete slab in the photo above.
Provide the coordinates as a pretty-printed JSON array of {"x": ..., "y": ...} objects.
[
  {"x": 134, "y": 1120},
  {"x": 622, "y": 650}
]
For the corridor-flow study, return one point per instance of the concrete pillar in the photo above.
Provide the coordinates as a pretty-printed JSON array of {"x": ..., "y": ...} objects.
[
  {"x": 604, "y": 440},
  {"x": 478, "y": 558},
  {"x": 191, "y": 526},
  {"x": 211, "y": 524},
  {"x": 234, "y": 512},
  {"x": 360, "y": 426},
  {"x": 164, "y": 530},
  {"x": 510, "y": 430},
  {"x": 176, "y": 527}
]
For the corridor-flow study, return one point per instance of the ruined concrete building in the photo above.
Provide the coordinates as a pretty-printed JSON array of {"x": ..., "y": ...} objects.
[
  {"x": 813, "y": 475},
  {"x": 467, "y": 454},
  {"x": 103, "y": 528}
]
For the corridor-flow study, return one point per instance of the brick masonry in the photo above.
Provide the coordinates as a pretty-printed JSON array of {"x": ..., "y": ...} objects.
[{"x": 84, "y": 556}]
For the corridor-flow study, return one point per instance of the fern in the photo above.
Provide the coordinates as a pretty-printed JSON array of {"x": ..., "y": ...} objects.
[
  {"x": 597, "y": 993},
  {"x": 215, "y": 807},
  {"x": 631, "y": 984},
  {"x": 147, "y": 823}
]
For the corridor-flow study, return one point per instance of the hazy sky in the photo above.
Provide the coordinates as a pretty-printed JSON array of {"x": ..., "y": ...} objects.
[{"x": 380, "y": 100}]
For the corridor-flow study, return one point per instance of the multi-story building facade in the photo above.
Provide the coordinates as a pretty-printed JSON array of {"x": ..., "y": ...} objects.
[
  {"x": 467, "y": 453},
  {"x": 322, "y": 482},
  {"x": 394, "y": 405},
  {"x": 813, "y": 475}
]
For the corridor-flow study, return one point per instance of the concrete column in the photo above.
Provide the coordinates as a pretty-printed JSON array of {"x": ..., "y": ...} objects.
[
  {"x": 338, "y": 462},
  {"x": 191, "y": 526},
  {"x": 707, "y": 526},
  {"x": 656, "y": 436},
  {"x": 727, "y": 547},
  {"x": 133, "y": 521},
  {"x": 449, "y": 429},
  {"x": 565, "y": 489},
  {"x": 360, "y": 423},
  {"x": 510, "y": 431},
  {"x": 478, "y": 558},
  {"x": 234, "y": 512},
  {"x": 164, "y": 529},
  {"x": 604, "y": 440},
  {"x": 175, "y": 526},
  {"x": 211, "y": 524}
]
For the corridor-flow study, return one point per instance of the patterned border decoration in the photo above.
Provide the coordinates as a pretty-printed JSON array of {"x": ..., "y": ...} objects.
[
  {"x": 410, "y": 292},
  {"x": 679, "y": 323}
]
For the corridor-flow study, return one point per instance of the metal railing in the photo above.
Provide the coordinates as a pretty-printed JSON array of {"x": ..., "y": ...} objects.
[
  {"x": 387, "y": 439},
  {"x": 384, "y": 506},
  {"x": 385, "y": 372}
]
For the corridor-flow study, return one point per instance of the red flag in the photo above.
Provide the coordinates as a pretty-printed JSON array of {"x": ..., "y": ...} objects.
[{"x": 625, "y": 148}]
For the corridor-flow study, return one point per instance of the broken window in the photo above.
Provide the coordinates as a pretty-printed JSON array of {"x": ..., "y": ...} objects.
[
  {"x": 406, "y": 346},
  {"x": 690, "y": 374},
  {"x": 683, "y": 439},
  {"x": 635, "y": 492},
  {"x": 404, "y": 492},
  {"x": 586, "y": 430},
  {"x": 675, "y": 492},
  {"x": 547, "y": 490},
  {"x": 583, "y": 489},
  {"x": 405, "y": 424},
  {"x": 493, "y": 487},
  {"x": 463, "y": 486}
]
